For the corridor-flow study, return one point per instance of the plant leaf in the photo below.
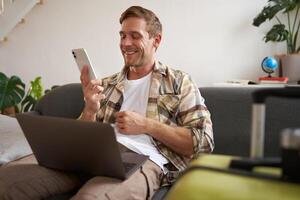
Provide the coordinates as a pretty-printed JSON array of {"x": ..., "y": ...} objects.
[
  {"x": 278, "y": 33},
  {"x": 268, "y": 12},
  {"x": 36, "y": 88},
  {"x": 28, "y": 104},
  {"x": 289, "y": 5},
  {"x": 273, "y": 7},
  {"x": 12, "y": 90}
]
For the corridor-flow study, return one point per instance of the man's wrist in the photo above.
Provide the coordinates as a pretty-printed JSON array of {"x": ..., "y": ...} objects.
[
  {"x": 88, "y": 115},
  {"x": 151, "y": 126}
]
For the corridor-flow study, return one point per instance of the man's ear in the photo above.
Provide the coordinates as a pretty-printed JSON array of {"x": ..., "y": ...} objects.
[{"x": 157, "y": 40}]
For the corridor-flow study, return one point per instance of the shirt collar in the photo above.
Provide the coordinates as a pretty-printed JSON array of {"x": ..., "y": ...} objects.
[
  {"x": 121, "y": 77},
  {"x": 160, "y": 68}
]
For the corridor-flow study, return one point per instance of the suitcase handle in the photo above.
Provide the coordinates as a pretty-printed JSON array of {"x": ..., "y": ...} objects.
[
  {"x": 258, "y": 115},
  {"x": 260, "y": 96}
]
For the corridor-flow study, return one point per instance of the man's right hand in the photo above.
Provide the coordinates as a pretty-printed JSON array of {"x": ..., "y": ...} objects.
[{"x": 92, "y": 91}]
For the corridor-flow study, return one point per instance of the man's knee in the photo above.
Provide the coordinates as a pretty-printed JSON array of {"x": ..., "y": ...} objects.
[
  {"x": 105, "y": 188},
  {"x": 140, "y": 185},
  {"x": 97, "y": 188}
]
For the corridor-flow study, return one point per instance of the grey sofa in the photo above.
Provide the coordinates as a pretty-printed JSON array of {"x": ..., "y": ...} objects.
[{"x": 230, "y": 108}]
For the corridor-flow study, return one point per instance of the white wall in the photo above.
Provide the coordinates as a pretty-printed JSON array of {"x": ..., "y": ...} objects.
[{"x": 213, "y": 40}]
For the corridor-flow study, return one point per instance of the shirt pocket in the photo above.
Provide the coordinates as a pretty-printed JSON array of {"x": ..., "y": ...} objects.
[{"x": 168, "y": 105}]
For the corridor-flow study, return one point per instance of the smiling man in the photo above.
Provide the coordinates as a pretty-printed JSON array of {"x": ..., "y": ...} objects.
[{"x": 157, "y": 111}]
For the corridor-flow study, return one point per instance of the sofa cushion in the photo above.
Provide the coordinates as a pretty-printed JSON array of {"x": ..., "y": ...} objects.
[
  {"x": 13, "y": 143},
  {"x": 38, "y": 182},
  {"x": 64, "y": 101}
]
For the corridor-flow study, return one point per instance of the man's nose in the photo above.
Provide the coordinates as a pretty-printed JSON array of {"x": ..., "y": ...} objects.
[{"x": 126, "y": 41}]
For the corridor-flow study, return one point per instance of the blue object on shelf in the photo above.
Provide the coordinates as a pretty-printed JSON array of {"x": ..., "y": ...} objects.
[{"x": 269, "y": 64}]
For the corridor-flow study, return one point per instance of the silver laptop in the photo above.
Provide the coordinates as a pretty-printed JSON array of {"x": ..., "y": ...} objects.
[{"x": 78, "y": 146}]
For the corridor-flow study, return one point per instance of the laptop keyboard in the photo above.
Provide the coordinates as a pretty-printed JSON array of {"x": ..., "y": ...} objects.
[{"x": 128, "y": 166}]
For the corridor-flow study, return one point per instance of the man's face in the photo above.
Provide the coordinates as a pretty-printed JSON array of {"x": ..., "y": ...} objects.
[{"x": 137, "y": 48}]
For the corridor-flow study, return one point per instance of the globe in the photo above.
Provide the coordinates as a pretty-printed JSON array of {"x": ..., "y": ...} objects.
[{"x": 269, "y": 64}]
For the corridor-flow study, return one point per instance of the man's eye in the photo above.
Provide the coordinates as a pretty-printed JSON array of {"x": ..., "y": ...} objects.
[
  {"x": 122, "y": 36},
  {"x": 135, "y": 35}
]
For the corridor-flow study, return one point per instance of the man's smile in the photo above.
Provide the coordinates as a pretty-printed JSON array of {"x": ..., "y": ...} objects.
[{"x": 129, "y": 52}]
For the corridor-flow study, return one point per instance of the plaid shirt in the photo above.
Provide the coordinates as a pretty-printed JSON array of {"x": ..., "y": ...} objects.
[{"x": 174, "y": 100}]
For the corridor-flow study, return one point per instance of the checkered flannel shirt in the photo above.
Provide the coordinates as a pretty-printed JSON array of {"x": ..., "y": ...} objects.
[{"x": 174, "y": 100}]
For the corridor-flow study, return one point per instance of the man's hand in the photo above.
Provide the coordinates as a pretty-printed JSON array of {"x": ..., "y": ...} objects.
[
  {"x": 130, "y": 123},
  {"x": 92, "y": 91}
]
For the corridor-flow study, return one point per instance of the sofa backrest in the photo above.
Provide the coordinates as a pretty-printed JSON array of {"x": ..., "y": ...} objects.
[
  {"x": 231, "y": 111},
  {"x": 230, "y": 107},
  {"x": 63, "y": 101}
]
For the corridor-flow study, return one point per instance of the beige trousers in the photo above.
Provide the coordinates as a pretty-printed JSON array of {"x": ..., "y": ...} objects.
[
  {"x": 25, "y": 180},
  {"x": 141, "y": 185}
]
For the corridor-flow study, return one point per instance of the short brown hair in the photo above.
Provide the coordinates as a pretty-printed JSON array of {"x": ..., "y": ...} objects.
[{"x": 153, "y": 24}]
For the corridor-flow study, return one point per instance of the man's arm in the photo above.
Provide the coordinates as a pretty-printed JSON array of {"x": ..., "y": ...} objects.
[{"x": 179, "y": 139}]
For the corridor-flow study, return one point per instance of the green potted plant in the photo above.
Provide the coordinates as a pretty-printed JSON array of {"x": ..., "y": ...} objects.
[
  {"x": 12, "y": 91},
  {"x": 285, "y": 13},
  {"x": 34, "y": 93},
  {"x": 12, "y": 94}
]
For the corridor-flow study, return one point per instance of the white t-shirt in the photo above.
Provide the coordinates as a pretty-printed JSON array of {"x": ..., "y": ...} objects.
[{"x": 136, "y": 94}]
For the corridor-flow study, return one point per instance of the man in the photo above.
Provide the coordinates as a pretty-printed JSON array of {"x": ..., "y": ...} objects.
[{"x": 157, "y": 111}]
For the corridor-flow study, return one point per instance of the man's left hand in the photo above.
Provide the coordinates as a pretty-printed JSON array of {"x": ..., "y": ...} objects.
[{"x": 130, "y": 123}]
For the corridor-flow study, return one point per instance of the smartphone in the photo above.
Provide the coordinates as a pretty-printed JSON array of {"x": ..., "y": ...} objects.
[{"x": 82, "y": 59}]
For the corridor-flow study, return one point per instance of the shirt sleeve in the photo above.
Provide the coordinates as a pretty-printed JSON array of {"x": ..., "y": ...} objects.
[{"x": 194, "y": 115}]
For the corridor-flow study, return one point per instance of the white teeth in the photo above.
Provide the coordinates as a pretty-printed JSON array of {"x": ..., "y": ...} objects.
[{"x": 129, "y": 52}]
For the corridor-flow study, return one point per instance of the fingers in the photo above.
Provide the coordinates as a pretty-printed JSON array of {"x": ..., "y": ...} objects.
[
  {"x": 120, "y": 121},
  {"x": 124, "y": 113},
  {"x": 96, "y": 82},
  {"x": 95, "y": 85},
  {"x": 84, "y": 75},
  {"x": 121, "y": 127},
  {"x": 119, "y": 114},
  {"x": 96, "y": 89},
  {"x": 85, "y": 78},
  {"x": 97, "y": 97},
  {"x": 120, "y": 117},
  {"x": 92, "y": 90},
  {"x": 93, "y": 94},
  {"x": 91, "y": 87},
  {"x": 128, "y": 122}
]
